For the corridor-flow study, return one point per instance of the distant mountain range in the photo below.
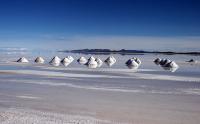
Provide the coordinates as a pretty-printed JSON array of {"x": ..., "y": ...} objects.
[{"x": 125, "y": 52}]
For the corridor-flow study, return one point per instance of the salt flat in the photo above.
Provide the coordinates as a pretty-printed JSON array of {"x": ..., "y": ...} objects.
[{"x": 39, "y": 94}]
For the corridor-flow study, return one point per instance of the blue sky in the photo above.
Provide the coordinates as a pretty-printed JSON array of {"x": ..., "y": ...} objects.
[{"x": 115, "y": 24}]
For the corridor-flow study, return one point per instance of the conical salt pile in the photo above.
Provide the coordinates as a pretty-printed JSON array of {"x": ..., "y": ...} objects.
[
  {"x": 167, "y": 64},
  {"x": 91, "y": 58},
  {"x": 192, "y": 61},
  {"x": 172, "y": 64},
  {"x": 55, "y": 61},
  {"x": 92, "y": 63},
  {"x": 132, "y": 64},
  {"x": 39, "y": 60},
  {"x": 70, "y": 58},
  {"x": 157, "y": 61},
  {"x": 82, "y": 60},
  {"x": 66, "y": 61},
  {"x": 99, "y": 62},
  {"x": 110, "y": 60},
  {"x": 138, "y": 61},
  {"x": 22, "y": 60}
]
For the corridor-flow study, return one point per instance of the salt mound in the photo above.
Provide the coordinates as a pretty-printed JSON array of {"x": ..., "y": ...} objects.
[
  {"x": 172, "y": 64},
  {"x": 170, "y": 69},
  {"x": 113, "y": 59},
  {"x": 70, "y": 58},
  {"x": 167, "y": 61},
  {"x": 22, "y": 60},
  {"x": 91, "y": 58},
  {"x": 133, "y": 63},
  {"x": 192, "y": 61},
  {"x": 39, "y": 60},
  {"x": 55, "y": 61},
  {"x": 167, "y": 64},
  {"x": 164, "y": 62},
  {"x": 92, "y": 63},
  {"x": 99, "y": 62},
  {"x": 138, "y": 61},
  {"x": 110, "y": 61},
  {"x": 157, "y": 61},
  {"x": 66, "y": 61},
  {"x": 82, "y": 60}
]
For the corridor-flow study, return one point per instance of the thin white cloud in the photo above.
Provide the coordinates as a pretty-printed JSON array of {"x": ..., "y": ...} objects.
[{"x": 181, "y": 43}]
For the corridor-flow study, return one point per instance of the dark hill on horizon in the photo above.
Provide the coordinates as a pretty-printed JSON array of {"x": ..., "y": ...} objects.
[{"x": 125, "y": 52}]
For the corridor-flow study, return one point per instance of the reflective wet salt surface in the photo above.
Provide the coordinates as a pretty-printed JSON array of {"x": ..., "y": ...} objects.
[{"x": 75, "y": 94}]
